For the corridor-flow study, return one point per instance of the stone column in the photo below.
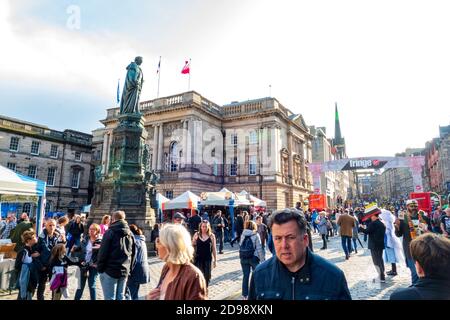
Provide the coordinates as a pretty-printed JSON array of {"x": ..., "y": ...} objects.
[
  {"x": 290, "y": 163},
  {"x": 190, "y": 142},
  {"x": 185, "y": 143},
  {"x": 160, "y": 148},
  {"x": 105, "y": 153},
  {"x": 275, "y": 149},
  {"x": 155, "y": 149}
]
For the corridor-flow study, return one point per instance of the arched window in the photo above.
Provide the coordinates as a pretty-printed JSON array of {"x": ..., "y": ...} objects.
[{"x": 173, "y": 157}]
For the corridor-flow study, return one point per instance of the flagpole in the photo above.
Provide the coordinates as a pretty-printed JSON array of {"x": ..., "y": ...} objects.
[
  {"x": 159, "y": 76},
  {"x": 189, "y": 83}
]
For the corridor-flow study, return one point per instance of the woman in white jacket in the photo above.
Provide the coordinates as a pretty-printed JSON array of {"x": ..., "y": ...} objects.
[{"x": 393, "y": 252}]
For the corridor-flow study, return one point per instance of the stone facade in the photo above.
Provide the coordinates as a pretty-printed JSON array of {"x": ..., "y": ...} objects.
[
  {"x": 62, "y": 159},
  {"x": 197, "y": 145}
]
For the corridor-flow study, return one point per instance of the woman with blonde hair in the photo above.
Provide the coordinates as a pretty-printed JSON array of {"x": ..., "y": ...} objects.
[
  {"x": 204, "y": 242},
  {"x": 180, "y": 279},
  {"x": 87, "y": 254}
]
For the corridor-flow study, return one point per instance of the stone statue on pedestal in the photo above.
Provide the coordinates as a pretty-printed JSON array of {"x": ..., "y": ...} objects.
[{"x": 132, "y": 88}]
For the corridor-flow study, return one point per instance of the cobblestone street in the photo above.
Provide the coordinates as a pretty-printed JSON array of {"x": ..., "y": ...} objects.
[{"x": 227, "y": 277}]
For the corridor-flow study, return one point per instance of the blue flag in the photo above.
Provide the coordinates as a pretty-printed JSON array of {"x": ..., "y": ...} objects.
[{"x": 118, "y": 91}]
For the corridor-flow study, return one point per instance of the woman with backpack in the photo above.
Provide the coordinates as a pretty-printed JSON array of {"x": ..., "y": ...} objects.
[
  {"x": 140, "y": 273},
  {"x": 250, "y": 253}
]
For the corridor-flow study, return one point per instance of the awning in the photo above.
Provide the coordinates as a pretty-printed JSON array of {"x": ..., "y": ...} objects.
[
  {"x": 187, "y": 200},
  {"x": 17, "y": 184}
]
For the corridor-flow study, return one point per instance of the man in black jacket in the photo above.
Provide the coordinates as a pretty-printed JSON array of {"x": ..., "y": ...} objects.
[
  {"x": 376, "y": 231},
  {"x": 239, "y": 223},
  {"x": 116, "y": 255},
  {"x": 431, "y": 254},
  {"x": 218, "y": 225}
]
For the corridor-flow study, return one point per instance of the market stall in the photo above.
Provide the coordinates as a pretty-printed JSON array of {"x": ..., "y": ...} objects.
[
  {"x": 225, "y": 200},
  {"x": 15, "y": 187},
  {"x": 185, "y": 202}
]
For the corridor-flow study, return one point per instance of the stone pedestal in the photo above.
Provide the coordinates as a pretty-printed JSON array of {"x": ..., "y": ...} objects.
[{"x": 125, "y": 186}]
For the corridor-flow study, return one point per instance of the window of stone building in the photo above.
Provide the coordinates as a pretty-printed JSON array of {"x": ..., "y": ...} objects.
[
  {"x": 253, "y": 139},
  {"x": 234, "y": 139},
  {"x": 51, "y": 177},
  {"x": 14, "y": 144},
  {"x": 75, "y": 181},
  {"x": 54, "y": 151},
  {"x": 252, "y": 165},
  {"x": 32, "y": 172},
  {"x": 35, "y": 147},
  {"x": 213, "y": 153},
  {"x": 26, "y": 208},
  {"x": 233, "y": 167},
  {"x": 169, "y": 194},
  {"x": 173, "y": 161},
  {"x": 11, "y": 166},
  {"x": 78, "y": 156}
]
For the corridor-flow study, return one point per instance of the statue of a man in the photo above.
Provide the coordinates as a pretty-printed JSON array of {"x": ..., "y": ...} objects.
[{"x": 132, "y": 88}]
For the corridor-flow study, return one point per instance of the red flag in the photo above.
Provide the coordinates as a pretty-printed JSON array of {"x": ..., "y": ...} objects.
[{"x": 186, "y": 68}]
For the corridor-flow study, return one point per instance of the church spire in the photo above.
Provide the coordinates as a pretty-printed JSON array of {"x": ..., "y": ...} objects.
[{"x": 337, "y": 127}]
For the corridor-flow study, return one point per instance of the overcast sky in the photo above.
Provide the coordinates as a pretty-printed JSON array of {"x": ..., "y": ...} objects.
[{"x": 385, "y": 62}]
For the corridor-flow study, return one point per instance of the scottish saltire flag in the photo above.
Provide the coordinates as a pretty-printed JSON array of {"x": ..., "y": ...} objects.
[
  {"x": 118, "y": 91},
  {"x": 186, "y": 68},
  {"x": 159, "y": 66}
]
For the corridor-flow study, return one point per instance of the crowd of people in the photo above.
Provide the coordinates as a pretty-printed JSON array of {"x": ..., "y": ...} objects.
[{"x": 115, "y": 253}]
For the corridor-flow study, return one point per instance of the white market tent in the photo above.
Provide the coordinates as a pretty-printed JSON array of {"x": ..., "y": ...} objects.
[
  {"x": 254, "y": 200},
  {"x": 187, "y": 200},
  {"x": 161, "y": 200},
  {"x": 15, "y": 184},
  {"x": 224, "y": 198}
]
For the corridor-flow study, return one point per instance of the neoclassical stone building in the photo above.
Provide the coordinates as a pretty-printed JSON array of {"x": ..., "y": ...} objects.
[
  {"x": 61, "y": 159},
  {"x": 197, "y": 145}
]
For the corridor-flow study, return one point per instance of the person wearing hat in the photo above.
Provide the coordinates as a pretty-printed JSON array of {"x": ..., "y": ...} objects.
[
  {"x": 178, "y": 218},
  {"x": 376, "y": 231},
  {"x": 410, "y": 225}
]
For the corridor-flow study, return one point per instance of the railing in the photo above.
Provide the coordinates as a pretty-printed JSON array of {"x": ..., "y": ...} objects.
[{"x": 174, "y": 100}]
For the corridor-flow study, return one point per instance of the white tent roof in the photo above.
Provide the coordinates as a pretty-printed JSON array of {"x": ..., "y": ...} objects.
[
  {"x": 161, "y": 199},
  {"x": 256, "y": 201},
  {"x": 220, "y": 199},
  {"x": 224, "y": 190},
  {"x": 17, "y": 184},
  {"x": 187, "y": 200}
]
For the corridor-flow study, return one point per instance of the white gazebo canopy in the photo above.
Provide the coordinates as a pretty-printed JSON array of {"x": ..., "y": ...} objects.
[
  {"x": 13, "y": 183},
  {"x": 187, "y": 200},
  {"x": 161, "y": 200},
  {"x": 254, "y": 200},
  {"x": 16, "y": 184},
  {"x": 222, "y": 198}
]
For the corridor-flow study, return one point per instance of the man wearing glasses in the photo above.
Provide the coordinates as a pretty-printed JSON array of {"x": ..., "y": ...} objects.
[
  {"x": 410, "y": 225},
  {"x": 295, "y": 272}
]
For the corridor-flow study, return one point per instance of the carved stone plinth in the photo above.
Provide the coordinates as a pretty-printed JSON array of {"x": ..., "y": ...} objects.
[{"x": 126, "y": 185}]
